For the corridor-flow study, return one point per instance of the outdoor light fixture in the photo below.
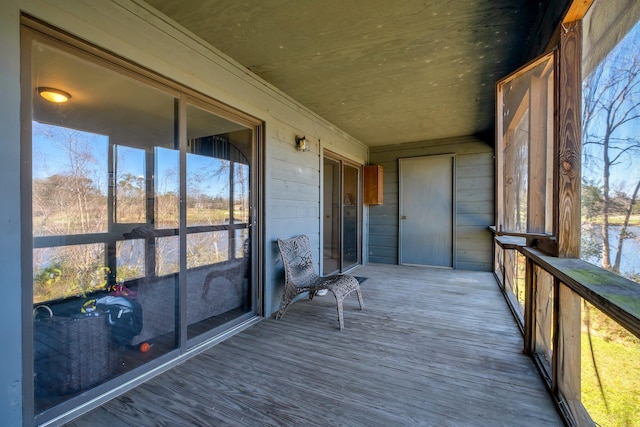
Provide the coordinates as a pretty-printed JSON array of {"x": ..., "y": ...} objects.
[
  {"x": 301, "y": 143},
  {"x": 54, "y": 95}
]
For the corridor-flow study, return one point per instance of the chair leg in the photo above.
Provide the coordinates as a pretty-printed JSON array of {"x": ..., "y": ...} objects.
[
  {"x": 341, "y": 291},
  {"x": 340, "y": 312},
  {"x": 284, "y": 304},
  {"x": 360, "y": 300}
]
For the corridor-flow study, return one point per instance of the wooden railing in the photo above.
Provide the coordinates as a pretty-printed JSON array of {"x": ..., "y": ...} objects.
[{"x": 556, "y": 302}]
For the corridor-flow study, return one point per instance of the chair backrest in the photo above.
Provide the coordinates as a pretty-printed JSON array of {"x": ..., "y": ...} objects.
[{"x": 297, "y": 260}]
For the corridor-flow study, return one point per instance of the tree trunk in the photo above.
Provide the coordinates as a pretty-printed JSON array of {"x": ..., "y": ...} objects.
[
  {"x": 623, "y": 230},
  {"x": 606, "y": 254}
]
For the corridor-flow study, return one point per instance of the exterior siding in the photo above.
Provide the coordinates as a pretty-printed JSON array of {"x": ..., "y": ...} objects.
[
  {"x": 293, "y": 193},
  {"x": 474, "y": 200}
]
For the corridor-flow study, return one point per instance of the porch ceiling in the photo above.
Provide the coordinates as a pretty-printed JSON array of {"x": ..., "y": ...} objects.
[{"x": 383, "y": 71}]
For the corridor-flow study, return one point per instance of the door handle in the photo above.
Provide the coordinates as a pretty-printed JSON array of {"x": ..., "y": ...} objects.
[{"x": 404, "y": 217}]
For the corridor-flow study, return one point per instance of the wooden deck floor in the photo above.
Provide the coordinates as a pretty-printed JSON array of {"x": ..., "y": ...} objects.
[{"x": 433, "y": 347}]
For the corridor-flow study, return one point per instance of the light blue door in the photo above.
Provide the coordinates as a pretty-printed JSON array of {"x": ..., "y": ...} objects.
[{"x": 426, "y": 211}]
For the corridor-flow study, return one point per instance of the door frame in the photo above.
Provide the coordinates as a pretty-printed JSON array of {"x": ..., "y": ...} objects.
[
  {"x": 342, "y": 161},
  {"x": 452, "y": 156}
]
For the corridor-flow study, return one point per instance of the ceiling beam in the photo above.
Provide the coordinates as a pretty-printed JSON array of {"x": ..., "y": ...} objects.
[{"x": 577, "y": 10}]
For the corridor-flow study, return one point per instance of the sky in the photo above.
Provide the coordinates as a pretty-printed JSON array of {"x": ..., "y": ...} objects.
[
  {"x": 53, "y": 146},
  {"x": 626, "y": 174}
]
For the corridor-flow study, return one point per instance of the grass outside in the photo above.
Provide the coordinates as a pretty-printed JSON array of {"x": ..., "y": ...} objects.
[
  {"x": 611, "y": 394},
  {"x": 634, "y": 220},
  {"x": 614, "y": 399}
]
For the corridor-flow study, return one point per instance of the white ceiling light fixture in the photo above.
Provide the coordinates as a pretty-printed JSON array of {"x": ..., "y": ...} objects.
[{"x": 56, "y": 96}]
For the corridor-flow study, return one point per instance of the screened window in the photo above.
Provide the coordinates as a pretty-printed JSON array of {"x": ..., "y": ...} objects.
[
  {"x": 611, "y": 153},
  {"x": 524, "y": 149}
]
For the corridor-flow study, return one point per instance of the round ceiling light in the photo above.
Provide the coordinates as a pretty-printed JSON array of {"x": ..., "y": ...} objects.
[{"x": 54, "y": 95}]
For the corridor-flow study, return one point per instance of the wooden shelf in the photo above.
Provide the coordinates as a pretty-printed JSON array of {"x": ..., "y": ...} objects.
[{"x": 373, "y": 185}]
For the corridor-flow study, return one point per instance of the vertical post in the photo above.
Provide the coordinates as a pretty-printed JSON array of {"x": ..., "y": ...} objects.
[
  {"x": 566, "y": 355},
  {"x": 569, "y": 139},
  {"x": 566, "y": 364},
  {"x": 529, "y": 308}
]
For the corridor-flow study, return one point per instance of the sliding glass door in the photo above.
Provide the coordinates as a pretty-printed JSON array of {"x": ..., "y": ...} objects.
[
  {"x": 140, "y": 194},
  {"x": 341, "y": 215}
]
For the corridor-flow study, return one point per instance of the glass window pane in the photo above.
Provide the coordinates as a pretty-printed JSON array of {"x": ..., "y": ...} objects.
[
  {"x": 331, "y": 217},
  {"x": 240, "y": 193},
  {"x": 109, "y": 204},
  {"x": 207, "y": 190},
  {"x": 241, "y": 243},
  {"x": 91, "y": 187},
  {"x": 350, "y": 217},
  {"x": 130, "y": 185},
  {"x": 207, "y": 248},
  {"x": 167, "y": 255},
  {"x": 70, "y": 178},
  {"x": 167, "y": 188},
  {"x": 66, "y": 271},
  {"x": 130, "y": 258},
  {"x": 218, "y": 178}
]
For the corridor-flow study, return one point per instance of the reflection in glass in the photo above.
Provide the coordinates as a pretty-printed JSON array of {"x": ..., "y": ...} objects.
[
  {"x": 207, "y": 190},
  {"x": 130, "y": 256},
  {"x": 217, "y": 219},
  {"x": 69, "y": 180},
  {"x": 167, "y": 188},
  {"x": 68, "y": 271},
  {"x": 98, "y": 277},
  {"x": 241, "y": 243},
  {"x": 167, "y": 255},
  {"x": 109, "y": 204},
  {"x": 350, "y": 217},
  {"x": 241, "y": 193},
  {"x": 331, "y": 217},
  {"x": 130, "y": 185},
  {"x": 207, "y": 248}
]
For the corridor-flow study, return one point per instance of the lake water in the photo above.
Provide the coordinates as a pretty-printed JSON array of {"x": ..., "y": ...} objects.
[{"x": 630, "y": 260}]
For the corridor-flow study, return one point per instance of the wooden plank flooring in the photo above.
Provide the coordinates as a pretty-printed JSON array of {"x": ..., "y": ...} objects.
[{"x": 433, "y": 347}]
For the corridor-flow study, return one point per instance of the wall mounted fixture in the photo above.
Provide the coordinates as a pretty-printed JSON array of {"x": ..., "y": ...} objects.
[
  {"x": 53, "y": 95},
  {"x": 301, "y": 143}
]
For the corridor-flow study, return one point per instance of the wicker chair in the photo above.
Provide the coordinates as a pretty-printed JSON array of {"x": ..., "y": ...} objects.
[{"x": 300, "y": 277}]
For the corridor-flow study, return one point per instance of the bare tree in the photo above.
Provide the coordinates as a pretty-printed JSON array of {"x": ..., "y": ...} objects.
[
  {"x": 625, "y": 226},
  {"x": 67, "y": 199},
  {"x": 611, "y": 101}
]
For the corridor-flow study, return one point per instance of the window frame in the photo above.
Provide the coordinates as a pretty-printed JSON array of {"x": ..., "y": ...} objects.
[{"x": 549, "y": 213}]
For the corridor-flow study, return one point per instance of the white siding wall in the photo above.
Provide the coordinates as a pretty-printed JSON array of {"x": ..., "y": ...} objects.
[{"x": 134, "y": 31}]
